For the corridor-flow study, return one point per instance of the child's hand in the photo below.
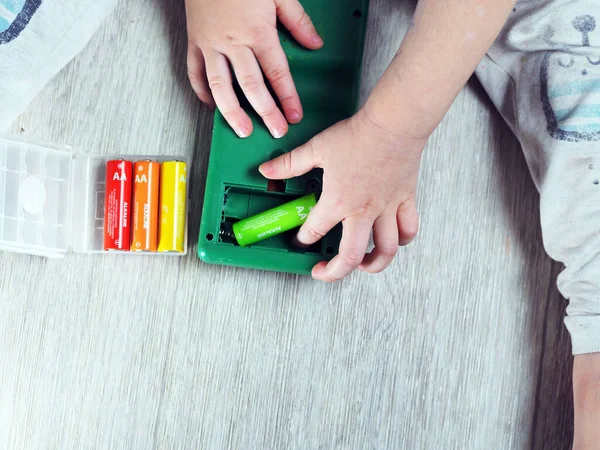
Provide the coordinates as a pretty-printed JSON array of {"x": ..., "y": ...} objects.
[
  {"x": 371, "y": 161},
  {"x": 369, "y": 183},
  {"x": 242, "y": 33}
]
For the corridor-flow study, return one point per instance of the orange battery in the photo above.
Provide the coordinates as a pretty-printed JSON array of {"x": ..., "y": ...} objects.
[{"x": 145, "y": 206}]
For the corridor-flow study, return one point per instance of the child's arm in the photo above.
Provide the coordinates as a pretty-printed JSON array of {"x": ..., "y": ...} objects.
[
  {"x": 371, "y": 161},
  {"x": 243, "y": 34},
  {"x": 586, "y": 391}
]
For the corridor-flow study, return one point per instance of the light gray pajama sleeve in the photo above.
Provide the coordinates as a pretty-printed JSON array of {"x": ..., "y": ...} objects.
[
  {"x": 37, "y": 39},
  {"x": 543, "y": 74}
]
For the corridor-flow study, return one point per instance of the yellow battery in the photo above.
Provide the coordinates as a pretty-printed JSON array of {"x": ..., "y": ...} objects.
[{"x": 173, "y": 193}]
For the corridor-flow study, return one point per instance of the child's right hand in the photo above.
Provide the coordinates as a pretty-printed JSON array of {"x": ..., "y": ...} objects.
[
  {"x": 369, "y": 184},
  {"x": 242, "y": 34}
]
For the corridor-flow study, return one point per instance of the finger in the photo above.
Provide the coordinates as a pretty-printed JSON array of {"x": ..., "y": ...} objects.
[
  {"x": 292, "y": 15},
  {"x": 275, "y": 65},
  {"x": 385, "y": 236},
  {"x": 320, "y": 221},
  {"x": 408, "y": 222},
  {"x": 355, "y": 240},
  {"x": 291, "y": 164},
  {"x": 220, "y": 83},
  {"x": 197, "y": 74},
  {"x": 253, "y": 84}
]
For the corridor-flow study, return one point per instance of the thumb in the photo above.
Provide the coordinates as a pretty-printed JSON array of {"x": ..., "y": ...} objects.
[
  {"x": 292, "y": 15},
  {"x": 291, "y": 164}
]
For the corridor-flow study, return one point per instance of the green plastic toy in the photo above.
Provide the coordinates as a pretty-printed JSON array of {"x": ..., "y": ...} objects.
[{"x": 328, "y": 84}]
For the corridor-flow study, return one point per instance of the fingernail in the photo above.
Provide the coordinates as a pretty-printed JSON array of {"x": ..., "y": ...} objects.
[
  {"x": 319, "y": 273},
  {"x": 278, "y": 133},
  {"x": 296, "y": 242},
  {"x": 266, "y": 168},
  {"x": 302, "y": 237},
  {"x": 295, "y": 116},
  {"x": 316, "y": 39},
  {"x": 242, "y": 132}
]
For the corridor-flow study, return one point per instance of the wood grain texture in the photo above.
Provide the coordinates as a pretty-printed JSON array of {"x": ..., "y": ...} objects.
[{"x": 460, "y": 344}]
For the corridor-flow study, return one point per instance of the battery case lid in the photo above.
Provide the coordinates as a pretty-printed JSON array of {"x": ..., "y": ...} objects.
[{"x": 35, "y": 197}]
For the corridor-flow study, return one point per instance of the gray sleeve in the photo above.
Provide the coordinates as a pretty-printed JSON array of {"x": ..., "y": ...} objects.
[
  {"x": 36, "y": 42},
  {"x": 543, "y": 75},
  {"x": 570, "y": 214}
]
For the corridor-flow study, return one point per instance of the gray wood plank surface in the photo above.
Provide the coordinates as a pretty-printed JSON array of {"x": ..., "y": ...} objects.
[{"x": 460, "y": 344}]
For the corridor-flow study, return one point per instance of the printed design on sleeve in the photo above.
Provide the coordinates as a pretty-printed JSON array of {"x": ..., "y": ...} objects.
[
  {"x": 570, "y": 83},
  {"x": 14, "y": 17}
]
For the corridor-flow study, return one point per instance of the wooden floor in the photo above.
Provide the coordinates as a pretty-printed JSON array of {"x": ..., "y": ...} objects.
[{"x": 460, "y": 344}]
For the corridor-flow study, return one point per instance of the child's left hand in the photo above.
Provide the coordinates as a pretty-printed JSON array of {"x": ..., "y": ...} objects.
[{"x": 238, "y": 38}]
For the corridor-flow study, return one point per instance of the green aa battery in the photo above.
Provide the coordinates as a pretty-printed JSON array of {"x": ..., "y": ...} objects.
[{"x": 274, "y": 221}]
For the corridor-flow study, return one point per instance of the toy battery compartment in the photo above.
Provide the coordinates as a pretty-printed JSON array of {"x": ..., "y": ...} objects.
[
  {"x": 328, "y": 82},
  {"x": 52, "y": 200}
]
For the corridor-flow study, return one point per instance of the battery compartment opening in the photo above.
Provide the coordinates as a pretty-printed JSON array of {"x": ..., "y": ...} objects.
[{"x": 240, "y": 203}]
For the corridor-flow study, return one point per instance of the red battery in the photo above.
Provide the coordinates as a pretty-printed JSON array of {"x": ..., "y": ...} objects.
[{"x": 117, "y": 205}]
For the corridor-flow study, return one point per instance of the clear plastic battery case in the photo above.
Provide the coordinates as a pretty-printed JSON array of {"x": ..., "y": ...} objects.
[{"x": 52, "y": 200}]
